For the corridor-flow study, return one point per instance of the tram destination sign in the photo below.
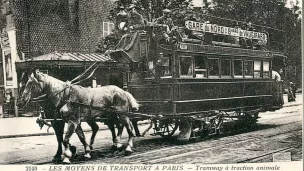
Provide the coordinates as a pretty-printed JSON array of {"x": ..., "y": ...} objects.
[
  {"x": 223, "y": 50},
  {"x": 217, "y": 29}
]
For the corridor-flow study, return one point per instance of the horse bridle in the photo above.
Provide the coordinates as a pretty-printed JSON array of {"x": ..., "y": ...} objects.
[{"x": 30, "y": 90}]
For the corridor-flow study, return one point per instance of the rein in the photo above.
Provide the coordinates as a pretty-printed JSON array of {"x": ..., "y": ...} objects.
[
  {"x": 41, "y": 120},
  {"x": 69, "y": 83}
]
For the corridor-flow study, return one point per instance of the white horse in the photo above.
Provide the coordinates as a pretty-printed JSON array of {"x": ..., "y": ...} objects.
[{"x": 109, "y": 101}]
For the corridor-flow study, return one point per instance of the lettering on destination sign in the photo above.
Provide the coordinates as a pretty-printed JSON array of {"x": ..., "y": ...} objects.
[{"x": 217, "y": 29}]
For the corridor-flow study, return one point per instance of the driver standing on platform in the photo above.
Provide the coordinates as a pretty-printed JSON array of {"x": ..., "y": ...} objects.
[{"x": 135, "y": 22}]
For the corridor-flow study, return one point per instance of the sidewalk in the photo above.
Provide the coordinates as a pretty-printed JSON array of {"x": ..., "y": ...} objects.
[
  {"x": 299, "y": 100},
  {"x": 27, "y": 126}
]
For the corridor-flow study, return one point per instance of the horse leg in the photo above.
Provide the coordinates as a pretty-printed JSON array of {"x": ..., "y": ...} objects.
[
  {"x": 134, "y": 123},
  {"x": 128, "y": 124},
  {"x": 95, "y": 128},
  {"x": 82, "y": 139},
  {"x": 116, "y": 145},
  {"x": 120, "y": 128},
  {"x": 67, "y": 153},
  {"x": 58, "y": 126}
]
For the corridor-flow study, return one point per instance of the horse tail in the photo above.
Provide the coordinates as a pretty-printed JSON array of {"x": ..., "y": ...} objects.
[{"x": 132, "y": 101}]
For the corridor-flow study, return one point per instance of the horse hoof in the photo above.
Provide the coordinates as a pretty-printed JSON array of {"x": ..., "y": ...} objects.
[
  {"x": 121, "y": 148},
  {"x": 67, "y": 153},
  {"x": 128, "y": 153},
  {"x": 57, "y": 159},
  {"x": 87, "y": 156},
  {"x": 73, "y": 150},
  {"x": 66, "y": 160}
]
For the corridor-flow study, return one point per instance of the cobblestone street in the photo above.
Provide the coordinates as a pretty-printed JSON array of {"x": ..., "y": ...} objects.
[{"x": 278, "y": 131}]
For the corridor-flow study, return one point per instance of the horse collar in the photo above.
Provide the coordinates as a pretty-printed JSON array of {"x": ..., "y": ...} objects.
[{"x": 67, "y": 92}]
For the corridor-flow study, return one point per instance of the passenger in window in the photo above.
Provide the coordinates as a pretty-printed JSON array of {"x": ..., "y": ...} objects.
[
  {"x": 185, "y": 66},
  {"x": 190, "y": 71}
]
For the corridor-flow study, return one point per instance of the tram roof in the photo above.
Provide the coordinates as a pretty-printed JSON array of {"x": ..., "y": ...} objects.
[{"x": 68, "y": 59}]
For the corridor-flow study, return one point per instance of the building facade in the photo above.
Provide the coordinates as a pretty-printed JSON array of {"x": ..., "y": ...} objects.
[{"x": 31, "y": 28}]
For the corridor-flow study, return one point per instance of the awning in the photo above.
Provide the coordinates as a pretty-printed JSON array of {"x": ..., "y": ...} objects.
[
  {"x": 73, "y": 57},
  {"x": 69, "y": 60}
]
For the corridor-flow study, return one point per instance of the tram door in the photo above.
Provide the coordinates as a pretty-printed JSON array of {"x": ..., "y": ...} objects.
[{"x": 278, "y": 65}]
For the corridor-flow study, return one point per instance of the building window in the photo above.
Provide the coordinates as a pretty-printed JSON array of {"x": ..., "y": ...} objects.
[
  {"x": 186, "y": 66},
  {"x": 238, "y": 67},
  {"x": 213, "y": 67},
  {"x": 226, "y": 67},
  {"x": 200, "y": 67},
  {"x": 266, "y": 72},
  {"x": 108, "y": 28},
  {"x": 248, "y": 68},
  {"x": 257, "y": 69}
]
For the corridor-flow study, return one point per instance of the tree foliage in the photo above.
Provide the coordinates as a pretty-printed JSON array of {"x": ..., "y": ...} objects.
[
  {"x": 270, "y": 13},
  {"x": 150, "y": 9}
]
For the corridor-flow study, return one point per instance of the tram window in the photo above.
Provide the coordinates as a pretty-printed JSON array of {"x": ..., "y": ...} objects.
[
  {"x": 161, "y": 67},
  {"x": 257, "y": 69},
  {"x": 248, "y": 68},
  {"x": 166, "y": 64},
  {"x": 200, "y": 67},
  {"x": 213, "y": 67},
  {"x": 266, "y": 69},
  {"x": 238, "y": 67},
  {"x": 226, "y": 67},
  {"x": 186, "y": 66}
]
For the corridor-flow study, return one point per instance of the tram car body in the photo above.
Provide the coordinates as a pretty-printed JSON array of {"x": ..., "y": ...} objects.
[{"x": 192, "y": 78}]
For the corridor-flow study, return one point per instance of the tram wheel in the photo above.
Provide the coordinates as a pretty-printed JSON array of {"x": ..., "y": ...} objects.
[{"x": 166, "y": 128}]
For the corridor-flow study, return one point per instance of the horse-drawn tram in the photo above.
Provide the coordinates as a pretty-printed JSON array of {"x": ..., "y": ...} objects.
[
  {"x": 202, "y": 78},
  {"x": 198, "y": 83}
]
